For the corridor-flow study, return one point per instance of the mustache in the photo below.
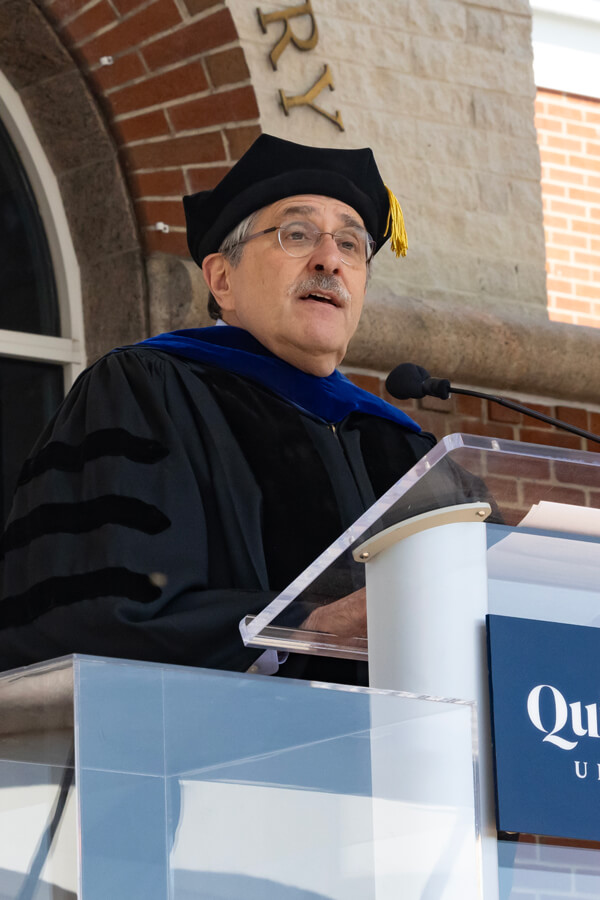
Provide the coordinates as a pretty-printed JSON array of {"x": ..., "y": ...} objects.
[{"x": 321, "y": 281}]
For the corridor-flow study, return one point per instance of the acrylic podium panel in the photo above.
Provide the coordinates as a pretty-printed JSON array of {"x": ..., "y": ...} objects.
[
  {"x": 542, "y": 561},
  {"x": 461, "y": 468},
  {"x": 128, "y": 780}
]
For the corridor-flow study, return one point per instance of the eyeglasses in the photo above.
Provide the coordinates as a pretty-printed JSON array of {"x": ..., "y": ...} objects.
[{"x": 355, "y": 245}]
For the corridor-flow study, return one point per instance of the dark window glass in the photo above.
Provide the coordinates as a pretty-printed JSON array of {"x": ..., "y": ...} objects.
[
  {"x": 29, "y": 394},
  {"x": 27, "y": 289},
  {"x": 29, "y": 391}
]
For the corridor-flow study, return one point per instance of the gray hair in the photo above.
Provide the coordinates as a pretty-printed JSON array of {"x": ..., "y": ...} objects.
[{"x": 232, "y": 249}]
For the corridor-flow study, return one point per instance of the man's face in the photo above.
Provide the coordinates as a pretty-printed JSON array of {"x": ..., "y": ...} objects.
[{"x": 271, "y": 294}]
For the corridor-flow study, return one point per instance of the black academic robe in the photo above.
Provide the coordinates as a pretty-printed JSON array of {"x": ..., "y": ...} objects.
[{"x": 166, "y": 500}]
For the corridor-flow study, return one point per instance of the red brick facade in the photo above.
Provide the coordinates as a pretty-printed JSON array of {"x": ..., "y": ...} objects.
[
  {"x": 474, "y": 416},
  {"x": 172, "y": 81},
  {"x": 181, "y": 106},
  {"x": 177, "y": 96},
  {"x": 568, "y": 130},
  {"x": 557, "y": 481}
]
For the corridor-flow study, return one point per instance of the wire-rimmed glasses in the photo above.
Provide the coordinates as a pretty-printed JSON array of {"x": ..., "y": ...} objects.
[{"x": 355, "y": 245}]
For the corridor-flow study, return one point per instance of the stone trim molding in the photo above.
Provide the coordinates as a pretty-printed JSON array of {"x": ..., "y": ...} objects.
[{"x": 499, "y": 348}]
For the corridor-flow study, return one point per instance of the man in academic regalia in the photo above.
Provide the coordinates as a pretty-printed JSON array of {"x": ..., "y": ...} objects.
[{"x": 188, "y": 479}]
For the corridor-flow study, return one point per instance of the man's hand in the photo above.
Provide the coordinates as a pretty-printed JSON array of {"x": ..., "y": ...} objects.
[{"x": 346, "y": 616}]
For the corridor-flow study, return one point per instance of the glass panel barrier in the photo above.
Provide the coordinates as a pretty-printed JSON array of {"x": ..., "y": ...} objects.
[
  {"x": 541, "y": 493},
  {"x": 356, "y": 794},
  {"x": 191, "y": 783},
  {"x": 38, "y": 808},
  {"x": 532, "y": 867}
]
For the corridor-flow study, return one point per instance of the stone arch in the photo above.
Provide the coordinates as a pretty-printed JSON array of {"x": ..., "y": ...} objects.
[
  {"x": 135, "y": 104},
  {"x": 83, "y": 157},
  {"x": 179, "y": 105}
]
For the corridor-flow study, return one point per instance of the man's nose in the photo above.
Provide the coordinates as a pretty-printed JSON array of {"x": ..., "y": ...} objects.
[{"x": 326, "y": 256}]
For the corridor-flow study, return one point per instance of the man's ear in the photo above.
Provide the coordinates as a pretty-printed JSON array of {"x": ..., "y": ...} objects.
[{"x": 215, "y": 269}]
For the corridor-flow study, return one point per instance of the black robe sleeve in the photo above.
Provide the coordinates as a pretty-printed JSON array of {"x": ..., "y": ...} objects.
[{"x": 135, "y": 529}]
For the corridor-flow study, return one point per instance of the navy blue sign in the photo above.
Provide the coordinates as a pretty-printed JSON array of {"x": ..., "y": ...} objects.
[{"x": 545, "y": 694}]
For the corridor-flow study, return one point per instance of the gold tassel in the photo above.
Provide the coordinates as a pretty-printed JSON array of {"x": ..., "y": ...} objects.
[{"x": 395, "y": 219}]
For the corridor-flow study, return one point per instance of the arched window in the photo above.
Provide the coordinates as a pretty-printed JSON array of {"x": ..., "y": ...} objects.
[{"x": 40, "y": 349}]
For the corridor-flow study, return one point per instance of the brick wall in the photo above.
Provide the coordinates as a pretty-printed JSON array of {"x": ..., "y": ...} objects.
[
  {"x": 177, "y": 96},
  {"x": 182, "y": 105},
  {"x": 559, "y": 482},
  {"x": 475, "y": 416},
  {"x": 568, "y": 130}
]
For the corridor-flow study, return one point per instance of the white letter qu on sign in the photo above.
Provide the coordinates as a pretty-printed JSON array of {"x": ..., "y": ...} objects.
[{"x": 560, "y": 716}]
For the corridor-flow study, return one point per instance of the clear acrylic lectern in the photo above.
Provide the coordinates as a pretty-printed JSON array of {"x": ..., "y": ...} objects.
[
  {"x": 478, "y": 525},
  {"x": 135, "y": 781},
  {"x": 543, "y": 529}
]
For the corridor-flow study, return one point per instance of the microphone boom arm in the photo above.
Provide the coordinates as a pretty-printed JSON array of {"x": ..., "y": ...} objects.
[
  {"x": 408, "y": 380},
  {"x": 580, "y": 432}
]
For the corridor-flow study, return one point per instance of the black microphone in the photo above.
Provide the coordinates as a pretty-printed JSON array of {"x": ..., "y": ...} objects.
[{"x": 409, "y": 381}]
